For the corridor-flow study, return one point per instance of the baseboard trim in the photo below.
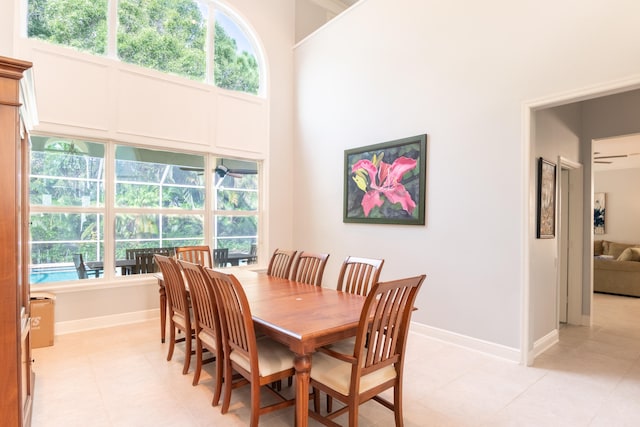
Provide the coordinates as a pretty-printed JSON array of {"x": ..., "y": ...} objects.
[
  {"x": 545, "y": 343},
  {"x": 497, "y": 350},
  {"x": 80, "y": 325}
]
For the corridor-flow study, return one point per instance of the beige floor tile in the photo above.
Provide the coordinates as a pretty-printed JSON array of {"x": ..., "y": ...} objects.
[{"x": 120, "y": 377}]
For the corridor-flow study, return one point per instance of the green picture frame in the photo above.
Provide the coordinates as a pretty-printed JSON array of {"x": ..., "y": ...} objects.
[{"x": 386, "y": 183}]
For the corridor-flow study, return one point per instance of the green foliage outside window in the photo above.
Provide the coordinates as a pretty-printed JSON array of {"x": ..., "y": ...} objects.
[
  {"x": 81, "y": 24},
  {"x": 159, "y": 201},
  {"x": 233, "y": 70},
  {"x": 164, "y": 35}
]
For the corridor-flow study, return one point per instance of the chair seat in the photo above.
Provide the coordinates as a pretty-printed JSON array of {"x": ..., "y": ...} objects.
[
  {"x": 273, "y": 357},
  {"x": 180, "y": 320},
  {"x": 208, "y": 339},
  {"x": 336, "y": 374},
  {"x": 344, "y": 346}
]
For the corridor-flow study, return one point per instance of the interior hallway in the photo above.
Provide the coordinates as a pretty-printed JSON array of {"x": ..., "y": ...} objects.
[{"x": 120, "y": 377}]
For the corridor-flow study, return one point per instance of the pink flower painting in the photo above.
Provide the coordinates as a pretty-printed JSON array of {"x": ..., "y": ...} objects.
[{"x": 382, "y": 182}]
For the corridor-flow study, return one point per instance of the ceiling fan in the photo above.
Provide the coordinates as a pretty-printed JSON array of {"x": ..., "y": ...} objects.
[
  {"x": 222, "y": 171},
  {"x": 606, "y": 159},
  {"x": 200, "y": 171}
]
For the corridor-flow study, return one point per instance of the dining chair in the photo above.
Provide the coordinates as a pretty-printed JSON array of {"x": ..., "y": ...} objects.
[
  {"x": 81, "y": 268},
  {"x": 309, "y": 268},
  {"x": 145, "y": 263},
  {"x": 259, "y": 362},
  {"x": 195, "y": 254},
  {"x": 377, "y": 360},
  {"x": 358, "y": 275},
  {"x": 144, "y": 260},
  {"x": 280, "y": 263},
  {"x": 220, "y": 257},
  {"x": 206, "y": 323},
  {"x": 253, "y": 252},
  {"x": 180, "y": 316}
]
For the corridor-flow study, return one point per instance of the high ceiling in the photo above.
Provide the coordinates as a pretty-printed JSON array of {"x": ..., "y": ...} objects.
[
  {"x": 312, "y": 14},
  {"x": 621, "y": 152}
]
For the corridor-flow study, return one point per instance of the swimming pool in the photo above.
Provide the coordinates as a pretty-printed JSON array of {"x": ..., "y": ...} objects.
[{"x": 52, "y": 274}]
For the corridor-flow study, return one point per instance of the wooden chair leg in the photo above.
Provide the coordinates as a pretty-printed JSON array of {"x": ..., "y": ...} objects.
[
  {"x": 172, "y": 341},
  {"x": 255, "y": 404},
  {"x": 198, "y": 370},
  {"x": 397, "y": 405},
  {"x": 187, "y": 354},
  {"x": 228, "y": 378},
  {"x": 218, "y": 387},
  {"x": 353, "y": 415},
  {"x": 316, "y": 400}
]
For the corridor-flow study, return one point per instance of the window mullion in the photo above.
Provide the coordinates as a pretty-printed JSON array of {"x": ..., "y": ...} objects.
[
  {"x": 109, "y": 217},
  {"x": 112, "y": 29}
]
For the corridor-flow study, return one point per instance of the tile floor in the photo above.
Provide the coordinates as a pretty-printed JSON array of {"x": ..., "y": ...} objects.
[{"x": 120, "y": 377}]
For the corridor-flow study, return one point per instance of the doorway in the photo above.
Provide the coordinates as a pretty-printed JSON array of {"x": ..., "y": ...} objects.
[
  {"x": 583, "y": 117},
  {"x": 570, "y": 242}
]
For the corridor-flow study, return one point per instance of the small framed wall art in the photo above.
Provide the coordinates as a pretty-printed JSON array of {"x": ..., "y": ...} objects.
[
  {"x": 546, "y": 223},
  {"x": 599, "y": 200}
]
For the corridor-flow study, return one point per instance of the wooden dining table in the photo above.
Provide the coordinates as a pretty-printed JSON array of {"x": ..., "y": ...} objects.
[{"x": 301, "y": 316}]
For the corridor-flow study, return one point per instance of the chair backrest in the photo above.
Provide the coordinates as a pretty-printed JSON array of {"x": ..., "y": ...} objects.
[
  {"x": 309, "y": 268},
  {"x": 384, "y": 325},
  {"x": 131, "y": 253},
  {"x": 196, "y": 254},
  {"x": 358, "y": 275},
  {"x": 174, "y": 285},
  {"x": 205, "y": 309},
  {"x": 80, "y": 267},
  {"x": 238, "y": 333},
  {"x": 280, "y": 263},
  {"x": 253, "y": 252},
  {"x": 220, "y": 257},
  {"x": 145, "y": 263}
]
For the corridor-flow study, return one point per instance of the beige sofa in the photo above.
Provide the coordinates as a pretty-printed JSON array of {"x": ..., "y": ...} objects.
[{"x": 616, "y": 268}]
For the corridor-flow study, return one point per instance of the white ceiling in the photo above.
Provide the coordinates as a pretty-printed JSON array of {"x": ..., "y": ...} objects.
[{"x": 628, "y": 145}]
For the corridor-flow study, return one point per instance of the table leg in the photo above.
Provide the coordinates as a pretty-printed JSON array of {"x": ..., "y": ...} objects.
[
  {"x": 302, "y": 364},
  {"x": 163, "y": 311}
]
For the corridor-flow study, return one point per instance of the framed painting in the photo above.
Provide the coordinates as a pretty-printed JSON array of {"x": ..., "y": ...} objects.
[
  {"x": 546, "y": 199},
  {"x": 385, "y": 183},
  {"x": 599, "y": 200}
]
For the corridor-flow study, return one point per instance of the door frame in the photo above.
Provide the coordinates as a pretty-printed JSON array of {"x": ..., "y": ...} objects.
[
  {"x": 529, "y": 109},
  {"x": 573, "y": 258}
]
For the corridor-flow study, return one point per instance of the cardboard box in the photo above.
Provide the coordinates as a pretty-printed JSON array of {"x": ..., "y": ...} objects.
[{"x": 42, "y": 319}]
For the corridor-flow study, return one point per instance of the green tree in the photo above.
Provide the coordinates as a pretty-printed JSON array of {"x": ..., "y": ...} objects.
[
  {"x": 81, "y": 24},
  {"x": 232, "y": 70},
  {"x": 166, "y": 35}
]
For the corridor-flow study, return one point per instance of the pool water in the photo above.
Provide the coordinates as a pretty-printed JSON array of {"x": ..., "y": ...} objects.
[{"x": 52, "y": 275}]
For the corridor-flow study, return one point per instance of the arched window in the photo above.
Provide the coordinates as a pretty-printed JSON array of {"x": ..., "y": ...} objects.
[
  {"x": 235, "y": 62},
  {"x": 170, "y": 36}
]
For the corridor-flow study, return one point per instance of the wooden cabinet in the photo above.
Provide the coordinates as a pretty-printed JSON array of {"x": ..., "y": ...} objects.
[{"x": 16, "y": 375}]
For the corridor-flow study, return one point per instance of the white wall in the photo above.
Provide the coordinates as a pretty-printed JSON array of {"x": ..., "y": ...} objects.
[
  {"x": 622, "y": 204},
  {"x": 461, "y": 72},
  {"x": 6, "y": 28},
  {"x": 99, "y": 98}
]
